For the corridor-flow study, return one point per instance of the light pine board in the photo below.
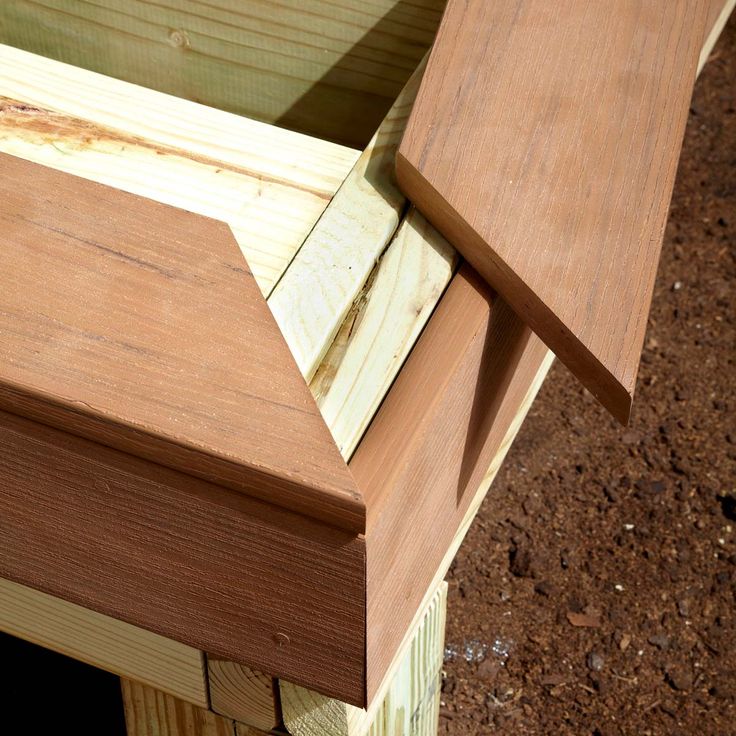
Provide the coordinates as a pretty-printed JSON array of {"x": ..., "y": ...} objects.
[
  {"x": 240, "y": 693},
  {"x": 285, "y": 61},
  {"x": 314, "y": 296},
  {"x": 268, "y": 184},
  {"x": 381, "y": 328},
  {"x": 103, "y": 642},
  {"x": 410, "y": 704},
  {"x": 149, "y": 712},
  {"x": 551, "y": 176}
]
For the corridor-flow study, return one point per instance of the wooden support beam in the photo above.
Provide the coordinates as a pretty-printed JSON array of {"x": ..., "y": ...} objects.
[
  {"x": 243, "y": 694},
  {"x": 149, "y": 712},
  {"x": 313, "y": 298},
  {"x": 283, "y": 62},
  {"x": 410, "y": 704},
  {"x": 104, "y": 642},
  {"x": 381, "y": 328}
]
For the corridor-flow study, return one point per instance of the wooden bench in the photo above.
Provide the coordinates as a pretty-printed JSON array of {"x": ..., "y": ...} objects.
[{"x": 421, "y": 373}]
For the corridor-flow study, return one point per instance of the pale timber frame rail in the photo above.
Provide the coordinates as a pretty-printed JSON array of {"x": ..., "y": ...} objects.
[{"x": 284, "y": 62}]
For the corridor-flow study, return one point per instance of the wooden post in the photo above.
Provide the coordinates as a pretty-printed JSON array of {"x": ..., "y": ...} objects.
[
  {"x": 150, "y": 712},
  {"x": 243, "y": 694}
]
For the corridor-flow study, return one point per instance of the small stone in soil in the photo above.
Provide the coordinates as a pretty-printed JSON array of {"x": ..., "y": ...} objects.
[
  {"x": 624, "y": 640},
  {"x": 661, "y": 641},
  {"x": 595, "y": 661},
  {"x": 683, "y": 607},
  {"x": 488, "y": 669},
  {"x": 520, "y": 562},
  {"x": 590, "y": 619},
  {"x": 545, "y": 588},
  {"x": 553, "y": 680},
  {"x": 679, "y": 677}
]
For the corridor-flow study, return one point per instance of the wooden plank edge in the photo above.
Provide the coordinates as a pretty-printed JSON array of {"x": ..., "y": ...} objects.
[
  {"x": 410, "y": 701},
  {"x": 615, "y": 396},
  {"x": 243, "y": 694},
  {"x": 104, "y": 642},
  {"x": 268, "y": 237},
  {"x": 262, "y": 149},
  {"x": 436, "y": 431}
]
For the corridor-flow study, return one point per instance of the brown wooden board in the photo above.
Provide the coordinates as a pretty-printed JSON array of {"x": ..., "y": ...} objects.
[
  {"x": 428, "y": 451},
  {"x": 140, "y": 326},
  {"x": 543, "y": 144},
  {"x": 181, "y": 557}
]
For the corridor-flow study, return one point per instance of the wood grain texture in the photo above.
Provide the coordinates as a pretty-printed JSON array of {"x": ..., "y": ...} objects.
[
  {"x": 471, "y": 509},
  {"x": 103, "y": 642},
  {"x": 269, "y": 185},
  {"x": 182, "y": 160},
  {"x": 149, "y": 712},
  {"x": 243, "y": 694},
  {"x": 410, "y": 705},
  {"x": 281, "y": 61},
  {"x": 381, "y": 329},
  {"x": 241, "y": 729},
  {"x": 315, "y": 295},
  {"x": 553, "y": 176},
  {"x": 270, "y": 215},
  {"x": 429, "y": 448},
  {"x": 183, "y": 558},
  {"x": 425, "y": 241},
  {"x": 110, "y": 319},
  {"x": 89, "y": 515},
  {"x": 169, "y": 121}
]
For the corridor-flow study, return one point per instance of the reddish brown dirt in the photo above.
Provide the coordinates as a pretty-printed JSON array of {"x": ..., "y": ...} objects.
[{"x": 596, "y": 592}]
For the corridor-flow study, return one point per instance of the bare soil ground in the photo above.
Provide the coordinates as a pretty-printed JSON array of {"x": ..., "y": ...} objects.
[{"x": 596, "y": 592}]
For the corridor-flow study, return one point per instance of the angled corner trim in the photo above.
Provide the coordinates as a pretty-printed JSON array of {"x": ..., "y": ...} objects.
[{"x": 140, "y": 326}]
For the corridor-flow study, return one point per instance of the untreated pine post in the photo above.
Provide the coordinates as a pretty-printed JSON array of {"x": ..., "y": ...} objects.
[
  {"x": 150, "y": 712},
  {"x": 243, "y": 694}
]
